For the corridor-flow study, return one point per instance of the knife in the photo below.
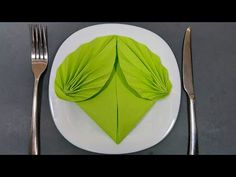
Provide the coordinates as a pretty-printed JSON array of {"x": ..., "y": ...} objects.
[{"x": 188, "y": 87}]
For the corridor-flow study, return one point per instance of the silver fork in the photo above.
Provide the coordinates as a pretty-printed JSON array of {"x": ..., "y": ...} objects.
[{"x": 39, "y": 59}]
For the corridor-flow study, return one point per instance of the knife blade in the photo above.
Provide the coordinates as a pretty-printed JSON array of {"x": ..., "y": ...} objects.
[
  {"x": 189, "y": 89},
  {"x": 187, "y": 64}
]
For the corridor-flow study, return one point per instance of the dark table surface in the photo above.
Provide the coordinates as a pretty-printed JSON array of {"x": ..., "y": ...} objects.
[{"x": 214, "y": 60}]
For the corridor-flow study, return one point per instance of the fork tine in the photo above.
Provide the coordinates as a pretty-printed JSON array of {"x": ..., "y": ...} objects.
[
  {"x": 33, "y": 42},
  {"x": 40, "y": 43},
  {"x": 36, "y": 42},
  {"x": 45, "y": 42}
]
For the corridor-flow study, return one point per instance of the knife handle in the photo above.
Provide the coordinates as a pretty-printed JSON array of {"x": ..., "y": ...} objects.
[{"x": 193, "y": 138}]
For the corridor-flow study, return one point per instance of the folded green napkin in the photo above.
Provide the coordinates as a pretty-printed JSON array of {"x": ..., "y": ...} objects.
[{"x": 115, "y": 80}]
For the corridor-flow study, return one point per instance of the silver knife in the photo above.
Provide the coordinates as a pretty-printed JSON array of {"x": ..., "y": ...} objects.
[{"x": 188, "y": 87}]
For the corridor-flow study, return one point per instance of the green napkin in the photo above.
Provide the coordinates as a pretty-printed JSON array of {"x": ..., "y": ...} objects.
[{"x": 115, "y": 80}]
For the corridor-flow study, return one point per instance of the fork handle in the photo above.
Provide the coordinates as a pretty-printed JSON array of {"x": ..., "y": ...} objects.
[
  {"x": 34, "y": 144},
  {"x": 193, "y": 138}
]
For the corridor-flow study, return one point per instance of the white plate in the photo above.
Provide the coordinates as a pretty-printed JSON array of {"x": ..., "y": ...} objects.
[{"x": 82, "y": 131}]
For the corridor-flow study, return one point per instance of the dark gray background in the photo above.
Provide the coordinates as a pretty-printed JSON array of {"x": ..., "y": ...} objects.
[{"x": 214, "y": 60}]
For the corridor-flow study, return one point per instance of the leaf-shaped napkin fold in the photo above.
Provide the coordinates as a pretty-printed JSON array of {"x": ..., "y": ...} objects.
[{"x": 115, "y": 80}]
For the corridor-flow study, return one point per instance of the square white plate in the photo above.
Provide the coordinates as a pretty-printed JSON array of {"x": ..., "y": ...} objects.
[{"x": 83, "y": 132}]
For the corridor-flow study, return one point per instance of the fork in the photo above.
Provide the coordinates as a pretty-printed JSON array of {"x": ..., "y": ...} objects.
[{"x": 39, "y": 59}]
